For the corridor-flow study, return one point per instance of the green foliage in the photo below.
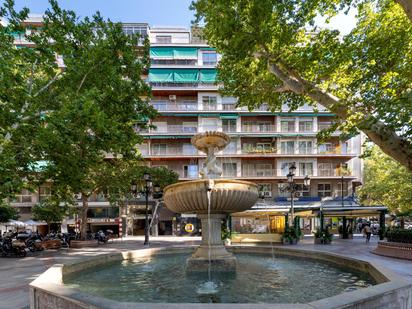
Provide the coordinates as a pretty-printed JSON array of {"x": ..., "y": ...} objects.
[
  {"x": 8, "y": 213},
  {"x": 50, "y": 211},
  {"x": 323, "y": 235},
  {"x": 399, "y": 235},
  {"x": 387, "y": 183},
  {"x": 80, "y": 118},
  {"x": 274, "y": 53},
  {"x": 291, "y": 234}
]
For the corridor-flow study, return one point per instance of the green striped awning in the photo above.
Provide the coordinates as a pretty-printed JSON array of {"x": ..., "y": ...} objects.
[
  {"x": 174, "y": 52},
  {"x": 226, "y": 116}
]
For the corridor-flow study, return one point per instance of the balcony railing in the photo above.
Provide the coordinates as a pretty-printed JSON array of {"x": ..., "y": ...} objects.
[
  {"x": 191, "y": 105},
  {"x": 258, "y": 128},
  {"x": 175, "y": 129},
  {"x": 173, "y": 151}
]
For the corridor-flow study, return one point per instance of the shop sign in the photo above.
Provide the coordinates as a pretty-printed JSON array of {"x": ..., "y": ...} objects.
[
  {"x": 189, "y": 227},
  {"x": 92, "y": 220}
]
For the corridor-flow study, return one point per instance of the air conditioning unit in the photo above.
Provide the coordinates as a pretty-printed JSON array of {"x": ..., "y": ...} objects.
[
  {"x": 172, "y": 97},
  {"x": 267, "y": 194}
]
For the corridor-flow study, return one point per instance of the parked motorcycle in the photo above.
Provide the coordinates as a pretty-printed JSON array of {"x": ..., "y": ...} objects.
[
  {"x": 9, "y": 246},
  {"x": 101, "y": 237},
  {"x": 34, "y": 242}
]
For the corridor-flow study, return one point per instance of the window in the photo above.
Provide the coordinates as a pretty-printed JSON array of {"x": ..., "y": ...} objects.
[
  {"x": 159, "y": 149},
  {"x": 324, "y": 189},
  {"x": 209, "y": 124},
  {"x": 44, "y": 193},
  {"x": 209, "y": 103},
  {"x": 326, "y": 148},
  {"x": 23, "y": 197},
  {"x": 209, "y": 58},
  {"x": 287, "y": 125},
  {"x": 306, "y": 126},
  {"x": 190, "y": 171},
  {"x": 231, "y": 148},
  {"x": 164, "y": 39},
  {"x": 140, "y": 30},
  {"x": 229, "y": 125},
  {"x": 284, "y": 167},
  {"x": 160, "y": 127},
  {"x": 305, "y": 147},
  {"x": 263, "y": 170},
  {"x": 305, "y": 169},
  {"x": 302, "y": 190},
  {"x": 189, "y": 149},
  {"x": 325, "y": 169},
  {"x": 287, "y": 147},
  {"x": 229, "y": 169},
  {"x": 263, "y": 147},
  {"x": 189, "y": 127},
  {"x": 250, "y": 225},
  {"x": 345, "y": 188},
  {"x": 160, "y": 106}
]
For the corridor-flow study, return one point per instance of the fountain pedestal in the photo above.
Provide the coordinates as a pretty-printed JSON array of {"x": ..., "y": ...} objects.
[{"x": 211, "y": 249}]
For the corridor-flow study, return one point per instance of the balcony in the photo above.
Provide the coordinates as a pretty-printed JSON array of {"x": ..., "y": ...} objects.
[
  {"x": 189, "y": 105},
  {"x": 259, "y": 173},
  {"x": 171, "y": 129},
  {"x": 171, "y": 150},
  {"x": 259, "y": 128}
]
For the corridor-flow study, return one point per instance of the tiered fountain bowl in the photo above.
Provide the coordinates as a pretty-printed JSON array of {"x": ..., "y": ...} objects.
[{"x": 211, "y": 198}]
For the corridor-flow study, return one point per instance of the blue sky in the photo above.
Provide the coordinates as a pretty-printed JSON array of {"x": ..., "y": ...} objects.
[{"x": 154, "y": 12}]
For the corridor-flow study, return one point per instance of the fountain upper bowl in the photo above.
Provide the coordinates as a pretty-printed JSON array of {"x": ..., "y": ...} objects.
[{"x": 227, "y": 196}]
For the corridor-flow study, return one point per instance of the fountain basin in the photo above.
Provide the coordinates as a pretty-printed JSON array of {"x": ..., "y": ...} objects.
[
  {"x": 227, "y": 196},
  {"x": 49, "y": 290}
]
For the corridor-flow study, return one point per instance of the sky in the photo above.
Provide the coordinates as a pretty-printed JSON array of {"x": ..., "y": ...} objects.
[{"x": 154, "y": 12}]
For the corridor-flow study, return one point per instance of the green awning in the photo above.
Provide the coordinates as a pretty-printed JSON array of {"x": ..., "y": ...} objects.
[
  {"x": 185, "y": 53},
  {"x": 174, "y": 52},
  {"x": 161, "y": 52},
  {"x": 160, "y": 75},
  {"x": 208, "y": 76},
  {"x": 186, "y": 76}
]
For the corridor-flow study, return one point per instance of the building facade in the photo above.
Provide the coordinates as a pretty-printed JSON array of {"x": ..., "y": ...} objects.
[{"x": 264, "y": 144}]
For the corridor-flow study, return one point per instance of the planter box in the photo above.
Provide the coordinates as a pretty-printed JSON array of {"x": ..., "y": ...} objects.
[
  {"x": 52, "y": 244},
  {"x": 83, "y": 243},
  {"x": 394, "y": 249},
  {"x": 318, "y": 241}
]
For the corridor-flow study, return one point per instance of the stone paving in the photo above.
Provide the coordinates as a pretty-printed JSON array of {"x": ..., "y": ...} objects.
[{"x": 16, "y": 274}]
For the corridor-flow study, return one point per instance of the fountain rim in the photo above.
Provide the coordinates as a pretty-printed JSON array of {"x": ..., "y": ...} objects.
[
  {"x": 51, "y": 282},
  {"x": 216, "y": 181}
]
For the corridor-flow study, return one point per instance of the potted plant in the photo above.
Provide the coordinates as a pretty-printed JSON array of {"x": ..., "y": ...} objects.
[
  {"x": 290, "y": 236},
  {"x": 323, "y": 236}
]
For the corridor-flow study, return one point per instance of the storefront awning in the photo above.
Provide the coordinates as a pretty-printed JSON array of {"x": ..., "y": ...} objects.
[{"x": 225, "y": 116}]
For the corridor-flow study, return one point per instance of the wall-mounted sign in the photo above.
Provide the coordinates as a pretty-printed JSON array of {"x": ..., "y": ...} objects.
[{"x": 189, "y": 227}]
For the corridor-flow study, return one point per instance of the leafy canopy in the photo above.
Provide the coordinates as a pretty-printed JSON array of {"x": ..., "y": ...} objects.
[
  {"x": 273, "y": 52},
  {"x": 386, "y": 182}
]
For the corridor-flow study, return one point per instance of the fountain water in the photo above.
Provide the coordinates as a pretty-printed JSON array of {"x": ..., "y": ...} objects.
[{"x": 211, "y": 198}]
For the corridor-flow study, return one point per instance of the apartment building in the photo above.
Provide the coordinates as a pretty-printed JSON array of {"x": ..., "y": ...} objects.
[{"x": 263, "y": 143}]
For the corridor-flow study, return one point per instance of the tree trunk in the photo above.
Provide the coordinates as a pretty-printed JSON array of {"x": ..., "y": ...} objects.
[
  {"x": 83, "y": 223},
  {"x": 393, "y": 145},
  {"x": 407, "y": 7}
]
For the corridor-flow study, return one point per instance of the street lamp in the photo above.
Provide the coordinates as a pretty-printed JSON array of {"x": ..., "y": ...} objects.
[
  {"x": 148, "y": 179},
  {"x": 293, "y": 188}
]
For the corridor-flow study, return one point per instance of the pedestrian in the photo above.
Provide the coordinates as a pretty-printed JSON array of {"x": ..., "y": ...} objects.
[{"x": 367, "y": 232}]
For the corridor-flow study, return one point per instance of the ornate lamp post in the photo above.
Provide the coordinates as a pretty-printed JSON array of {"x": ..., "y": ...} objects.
[
  {"x": 293, "y": 188},
  {"x": 148, "y": 185}
]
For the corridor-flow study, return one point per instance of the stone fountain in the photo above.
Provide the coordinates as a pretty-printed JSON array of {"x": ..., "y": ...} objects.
[{"x": 211, "y": 198}]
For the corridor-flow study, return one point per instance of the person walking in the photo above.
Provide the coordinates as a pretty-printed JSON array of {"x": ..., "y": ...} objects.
[{"x": 367, "y": 231}]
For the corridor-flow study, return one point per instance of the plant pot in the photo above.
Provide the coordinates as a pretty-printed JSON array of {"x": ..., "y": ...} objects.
[
  {"x": 318, "y": 241},
  {"x": 294, "y": 241},
  {"x": 286, "y": 241},
  {"x": 227, "y": 242},
  {"x": 327, "y": 241}
]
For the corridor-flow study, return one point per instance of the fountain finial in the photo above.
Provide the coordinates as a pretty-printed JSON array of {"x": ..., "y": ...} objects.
[{"x": 209, "y": 142}]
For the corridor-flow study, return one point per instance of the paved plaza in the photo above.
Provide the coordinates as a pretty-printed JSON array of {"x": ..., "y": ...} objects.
[{"x": 16, "y": 274}]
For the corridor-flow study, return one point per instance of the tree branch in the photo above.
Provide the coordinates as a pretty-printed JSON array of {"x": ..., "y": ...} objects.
[
  {"x": 48, "y": 84},
  {"x": 393, "y": 145},
  {"x": 407, "y": 7}
]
